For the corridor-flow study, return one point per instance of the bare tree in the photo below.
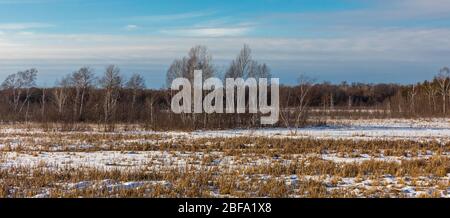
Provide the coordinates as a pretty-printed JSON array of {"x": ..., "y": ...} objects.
[
  {"x": 150, "y": 102},
  {"x": 263, "y": 71},
  {"x": 443, "y": 86},
  {"x": 22, "y": 80},
  {"x": 305, "y": 84},
  {"x": 300, "y": 110},
  {"x": 285, "y": 112},
  {"x": 412, "y": 98},
  {"x": 111, "y": 82},
  {"x": 82, "y": 81},
  {"x": 136, "y": 83},
  {"x": 60, "y": 93},
  {"x": 176, "y": 70},
  {"x": 431, "y": 92},
  {"x": 198, "y": 59},
  {"x": 14, "y": 84},
  {"x": 28, "y": 78},
  {"x": 244, "y": 66},
  {"x": 43, "y": 102},
  {"x": 241, "y": 66}
]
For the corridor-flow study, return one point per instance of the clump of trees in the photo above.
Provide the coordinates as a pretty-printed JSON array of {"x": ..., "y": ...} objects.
[
  {"x": 244, "y": 66},
  {"x": 110, "y": 98},
  {"x": 198, "y": 59},
  {"x": 20, "y": 84}
]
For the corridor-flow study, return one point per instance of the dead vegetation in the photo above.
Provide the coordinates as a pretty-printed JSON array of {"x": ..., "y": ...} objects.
[
  {"x": 217, "y": 167},
  {"x": 301, "y": 179}
]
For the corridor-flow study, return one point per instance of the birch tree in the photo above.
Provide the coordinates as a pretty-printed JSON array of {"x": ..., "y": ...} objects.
[
  {"x": 244, "y": 66},
  {"x": 136, "y": 83},
  {"x": 198, "y": 58},
  {"x": 298, "y": 113},
  {"x": 111, "y": 82},
  {"x": 19, "y": 83},
  {"x": 443, "y": 86},
  {"x": 60, "y": 93},
  {"x": 412, "y": 93},
  {"x": 13, "y": 84},
  {"x": 431, "y": 92},
  {"x": 82, "y": 81}
]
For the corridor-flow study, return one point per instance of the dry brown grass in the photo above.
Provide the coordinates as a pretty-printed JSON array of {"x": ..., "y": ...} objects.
[{"x": 227, "y": 167}]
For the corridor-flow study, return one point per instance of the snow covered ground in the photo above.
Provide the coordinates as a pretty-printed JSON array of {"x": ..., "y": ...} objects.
[
  {"x": 375, "y": 129},
  {"x": 390, "y": 129},
  {"x": 334, "y": 132},
  {"x": 161, "y": 160},
  {"x": 138, "y": 150}
]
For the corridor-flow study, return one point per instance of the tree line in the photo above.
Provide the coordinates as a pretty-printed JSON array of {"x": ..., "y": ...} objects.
[{"x": 110, "y": 98}]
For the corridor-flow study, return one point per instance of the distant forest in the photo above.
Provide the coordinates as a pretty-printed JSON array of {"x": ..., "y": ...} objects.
[{"x": 111, "y": 98}]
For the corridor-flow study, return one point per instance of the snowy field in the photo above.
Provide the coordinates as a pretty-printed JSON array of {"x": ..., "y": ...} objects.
[
  {"x": 346, "y": 158},
  {"x": 388, "y": 129},
  {"x": 424, "y": 130}
]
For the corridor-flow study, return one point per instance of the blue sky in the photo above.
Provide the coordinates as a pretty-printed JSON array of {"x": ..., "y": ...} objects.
[{"x": 355, "y": 40}]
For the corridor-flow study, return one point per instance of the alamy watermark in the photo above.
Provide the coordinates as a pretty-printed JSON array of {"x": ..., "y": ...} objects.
[{"x": 235, "y": 96}]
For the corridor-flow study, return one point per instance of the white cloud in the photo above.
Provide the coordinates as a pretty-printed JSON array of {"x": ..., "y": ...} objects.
[
  {"x": 376, "y": 44},
  {"x": 375, "y": 51},
  {"x": 170, "y": 17},
  {"x": 23, "y": 26},
  {"x": 207, "y": 32},
  {"x": 25, "y": 33},
  {"x": 131, "y": 27}
]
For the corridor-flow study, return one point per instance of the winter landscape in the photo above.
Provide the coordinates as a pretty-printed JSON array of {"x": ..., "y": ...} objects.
[
  {"x": 359, "y": 158},
  {"x": 172, "y": 99}
]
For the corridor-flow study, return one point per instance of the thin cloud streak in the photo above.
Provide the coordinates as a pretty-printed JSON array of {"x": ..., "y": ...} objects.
[
  {"x": 207, "y": 32},
  {"x": 24, "y": 26},
  {"x": 169, "y": 17},
  {"x": 395, "y": 44}
]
